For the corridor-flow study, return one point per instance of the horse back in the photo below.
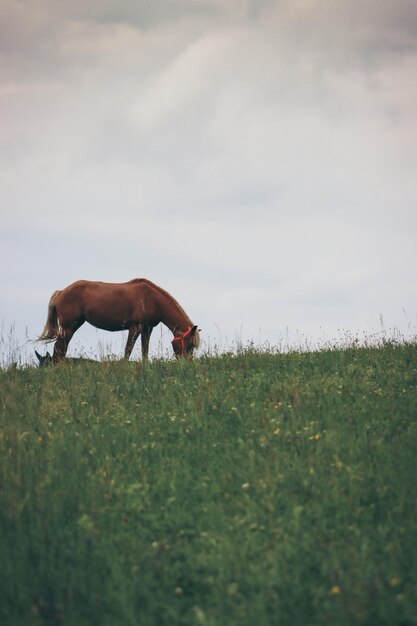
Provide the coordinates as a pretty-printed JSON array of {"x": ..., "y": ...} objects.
[{"x": 112, "y": 303}]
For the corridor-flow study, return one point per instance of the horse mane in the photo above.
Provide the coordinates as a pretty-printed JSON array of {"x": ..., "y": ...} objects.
[
  {"x": 164, "y": 292},
  {"x": 196, "y": 338}
]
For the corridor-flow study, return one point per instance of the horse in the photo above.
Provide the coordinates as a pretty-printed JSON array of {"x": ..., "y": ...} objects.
[
  {"x": 137, "y": 306},
  {"x": 46, "y": 359}
]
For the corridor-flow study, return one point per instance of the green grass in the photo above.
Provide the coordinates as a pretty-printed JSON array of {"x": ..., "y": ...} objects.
[{"x": 240, "y": 489}]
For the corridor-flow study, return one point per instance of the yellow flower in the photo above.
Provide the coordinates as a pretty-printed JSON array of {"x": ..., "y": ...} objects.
[
  {"x": 315, "y": 437},
  {"x": 395, "y": 581},
  {"x": 277, "y": 432},
  {"x": 335, "y": 590},
  {"x": 86, "y": 523}
]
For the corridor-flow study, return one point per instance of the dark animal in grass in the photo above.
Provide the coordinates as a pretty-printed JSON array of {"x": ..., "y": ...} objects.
[{"x": 46, "y": 360}]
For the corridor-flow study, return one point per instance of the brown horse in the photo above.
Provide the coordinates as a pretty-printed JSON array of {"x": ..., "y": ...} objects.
[{"x": 137, "y": 306}]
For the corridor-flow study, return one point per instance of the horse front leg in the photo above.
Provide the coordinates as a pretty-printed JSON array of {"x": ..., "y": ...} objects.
[
  {"x": 134, "y": 332},
  {"x": 146, "y": 335}
]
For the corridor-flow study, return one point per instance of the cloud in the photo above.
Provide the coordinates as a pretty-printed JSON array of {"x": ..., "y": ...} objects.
[{"x": 258, "y": 158}]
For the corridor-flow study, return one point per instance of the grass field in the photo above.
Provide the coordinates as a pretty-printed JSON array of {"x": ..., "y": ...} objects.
[{"x": 255, "y": 488}]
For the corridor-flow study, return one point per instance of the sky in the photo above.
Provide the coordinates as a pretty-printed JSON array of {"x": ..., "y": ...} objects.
[{"x": 257, "y": 159}]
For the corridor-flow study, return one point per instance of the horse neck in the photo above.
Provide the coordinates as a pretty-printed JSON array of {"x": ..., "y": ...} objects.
[{"x": 172, "y": 315}]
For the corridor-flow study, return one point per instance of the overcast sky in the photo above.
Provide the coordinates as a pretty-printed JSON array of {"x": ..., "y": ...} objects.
[{"x": 257, "y": 159}]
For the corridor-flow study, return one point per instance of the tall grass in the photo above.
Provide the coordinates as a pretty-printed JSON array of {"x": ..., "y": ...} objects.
[{"x": 238, "y": 489}]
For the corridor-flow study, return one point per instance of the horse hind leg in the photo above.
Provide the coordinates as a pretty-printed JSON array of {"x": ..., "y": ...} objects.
[
  {"x": 61, "y": 346},
  {"x": 64, "y": 337}
]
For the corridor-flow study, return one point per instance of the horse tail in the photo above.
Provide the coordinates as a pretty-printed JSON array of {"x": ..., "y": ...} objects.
[{"x": 50, "y": 332}]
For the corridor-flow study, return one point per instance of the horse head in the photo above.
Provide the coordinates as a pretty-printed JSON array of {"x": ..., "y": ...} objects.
[{"x": 184, "y": 344}]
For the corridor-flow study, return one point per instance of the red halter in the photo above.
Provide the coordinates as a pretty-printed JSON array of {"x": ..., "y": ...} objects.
[{"x": 182, "y": 337}]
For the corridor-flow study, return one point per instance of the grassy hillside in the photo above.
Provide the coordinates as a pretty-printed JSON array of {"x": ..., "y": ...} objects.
[{"x": 235, "y": 490}]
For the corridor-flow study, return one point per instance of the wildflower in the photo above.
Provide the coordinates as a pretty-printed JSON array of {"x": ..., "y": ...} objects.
[
  {"x": 335, "y": 590},
  {"x": 395, "y": 581},
  {"x": 86, "y": 523},
  {"x": 245, "y": 486},
  {"x": 315, "y": 437},
  {"x": 232, "y": 589},
  {"x": 277, "y": 432},
  {"x": 297, "y": 512},
  {"x": 199, "y": 615}
]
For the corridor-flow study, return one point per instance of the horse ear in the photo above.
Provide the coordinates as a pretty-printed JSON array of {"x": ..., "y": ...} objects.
[
  {"x": 193, "y": 330},
  {"x": 38, "y": 355}
]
